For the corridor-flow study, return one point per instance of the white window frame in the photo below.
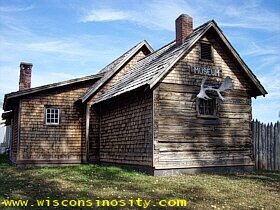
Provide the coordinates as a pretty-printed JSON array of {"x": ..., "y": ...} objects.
[{"x": 49, "y": 117}]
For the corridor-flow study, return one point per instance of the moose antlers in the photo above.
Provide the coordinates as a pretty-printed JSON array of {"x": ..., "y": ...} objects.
[{"x": 226, "y": 84}]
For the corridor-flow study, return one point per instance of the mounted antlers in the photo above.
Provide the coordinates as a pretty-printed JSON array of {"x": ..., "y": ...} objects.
[{"x": 226, "y": 84}]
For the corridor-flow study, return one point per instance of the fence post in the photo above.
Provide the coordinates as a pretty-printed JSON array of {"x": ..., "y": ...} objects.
[
  {"x": 260, "y": 147},
  {"x": 272, "y": 148},
  {"x": 277, "y": 131},
  {"x": 268, "y": 140},
  {"x": 254, "y": 137}
]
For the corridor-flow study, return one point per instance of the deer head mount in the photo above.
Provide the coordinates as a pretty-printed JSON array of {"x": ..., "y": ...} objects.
[{"x": 225, "y": 85}]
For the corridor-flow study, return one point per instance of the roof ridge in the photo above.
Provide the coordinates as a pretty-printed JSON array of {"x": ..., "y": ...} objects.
[
  {"x": 171, "y": 42},
  {"x": 139, "y": 43},
  {"x": 148, "y": 69}
]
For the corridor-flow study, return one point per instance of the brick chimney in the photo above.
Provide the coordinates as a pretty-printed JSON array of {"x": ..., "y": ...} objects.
[
  {"x": 25, "y": 75},
  {"x": 184, "y": 27}
]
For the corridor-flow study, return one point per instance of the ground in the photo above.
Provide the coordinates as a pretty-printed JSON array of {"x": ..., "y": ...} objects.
[{"x": 259, "y": 190}]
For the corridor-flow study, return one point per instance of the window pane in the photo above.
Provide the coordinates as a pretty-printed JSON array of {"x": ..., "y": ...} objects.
[
  {"x": 52, "y": 116},
  {"x": 207, "y": 107}
]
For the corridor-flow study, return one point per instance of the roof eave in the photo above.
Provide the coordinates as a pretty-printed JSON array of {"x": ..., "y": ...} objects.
[
  {"x": 251, "y": 75},
  {"x": 18, "y": 94},
  {"x": 213, "y": 24}
]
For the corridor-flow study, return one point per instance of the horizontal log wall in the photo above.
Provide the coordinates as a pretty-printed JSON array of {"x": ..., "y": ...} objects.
[
  {"x": 126, "y": 129},
  {"x": 266, "y": 141},
  {"x": 50, "y": 143},
  {"x": 182, "y": 139}
]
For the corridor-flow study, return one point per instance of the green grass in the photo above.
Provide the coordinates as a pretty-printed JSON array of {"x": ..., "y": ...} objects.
[{"x": 203, "y": 191}]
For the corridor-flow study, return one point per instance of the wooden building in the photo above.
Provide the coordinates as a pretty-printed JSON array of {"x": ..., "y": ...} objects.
[{"x": 183, "y": 108}]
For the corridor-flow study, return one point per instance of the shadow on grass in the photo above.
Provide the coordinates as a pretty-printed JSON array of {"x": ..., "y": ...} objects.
[
  {"x": 82, "y": 182},
  {"x": 264, "y": 177},
  {"x": 93, "y": 182},
  {"x": 4, "y": 160}
]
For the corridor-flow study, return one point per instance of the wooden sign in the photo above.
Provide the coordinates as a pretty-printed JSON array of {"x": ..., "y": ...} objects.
[{"x": 205, "y": 70}]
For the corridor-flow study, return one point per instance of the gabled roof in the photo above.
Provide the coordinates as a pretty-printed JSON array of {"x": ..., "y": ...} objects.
[
  {"x": 111, "y": 69},
  {"x": 150, "y": 70},
  {"x": 14, "y": 95}
]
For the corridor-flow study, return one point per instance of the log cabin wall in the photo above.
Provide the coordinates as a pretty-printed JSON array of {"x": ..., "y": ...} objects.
[
  {"x": 184, "y": 140},
  {"x": 63, "y": 143},
  {"x": 126, "y": 129}
]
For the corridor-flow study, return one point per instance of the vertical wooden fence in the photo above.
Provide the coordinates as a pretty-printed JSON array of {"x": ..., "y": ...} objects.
[{"x": 266, "y": 145}]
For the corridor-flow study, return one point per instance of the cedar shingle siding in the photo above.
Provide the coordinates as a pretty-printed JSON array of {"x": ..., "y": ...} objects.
[
  {"x": 63, "y": 143},
  {"x": 123, "y": 130}
]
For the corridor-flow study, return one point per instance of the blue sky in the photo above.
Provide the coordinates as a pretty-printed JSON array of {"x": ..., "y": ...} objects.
[{"x": 65, "y": 39}]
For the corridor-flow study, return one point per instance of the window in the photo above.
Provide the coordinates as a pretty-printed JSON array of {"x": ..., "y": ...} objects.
[
  {"x": 205, "y": 51},
  {"x": 52, "y": 116},
  {"x": 207, "y": 108}
]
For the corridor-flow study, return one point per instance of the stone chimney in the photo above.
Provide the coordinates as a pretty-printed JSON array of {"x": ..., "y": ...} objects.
[
  {"x": 184, "y": 27},
  {"x": 25, "y": 75}
]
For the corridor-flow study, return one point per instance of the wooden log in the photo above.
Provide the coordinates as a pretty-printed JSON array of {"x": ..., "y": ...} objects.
[
  {"x": 261, "y": 145},
  {"x": 277, "y": 143},
  {"x": 273, "y": 148},
  {"x": 268, "y": 142},
  {"x": 265, "y": 146},
  {"x": 209, "y": 146},
  {"x": 254, "y": 142},
  {"x": 203, "y": 163}
]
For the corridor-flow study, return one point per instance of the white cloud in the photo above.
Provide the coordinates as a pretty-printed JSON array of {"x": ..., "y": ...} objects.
[
  {"x": 161, "y": 14},
  {"x": 254, "y": 49},
  {"x": 105, "y": 15},
  {"x": 44, "y": 78},
  {"x": 251, "y": 15},
  {"x": 156, "y": 15},
  {"x": 267, "y": 108},
  {"x": 10, "y": 78},
  {"x": 271, "y": 81},
  {"x": 15, "y": 8}
]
